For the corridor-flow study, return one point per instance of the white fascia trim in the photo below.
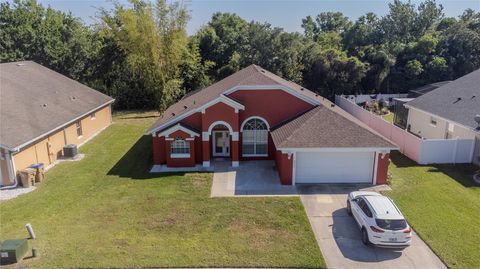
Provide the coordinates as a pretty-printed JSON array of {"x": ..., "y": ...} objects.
[
  {"x": 254, "y": 117},
  {"x": 235, "y": 163},
  {"x": 273, "y": 87},
  {"x": 206, "y": 164},
  {"x": 62, "y": 126},
  {"x": 289, "y": 150},
  {"x": 221, "y": 98},
  {"x": 437, "y": 116},
  {"x": 178, "y": 127}
]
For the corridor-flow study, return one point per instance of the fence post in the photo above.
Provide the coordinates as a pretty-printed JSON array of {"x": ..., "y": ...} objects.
[{"x": 455, "y": 146}]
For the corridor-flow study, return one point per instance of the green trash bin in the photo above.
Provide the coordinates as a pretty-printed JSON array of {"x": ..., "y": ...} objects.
[{"x": 13, "y": 251}]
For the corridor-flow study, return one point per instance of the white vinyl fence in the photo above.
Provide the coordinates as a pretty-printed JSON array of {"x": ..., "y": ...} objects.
[
  {"x": 368, "y": 97},
  {"x": 423, "y": 151}
]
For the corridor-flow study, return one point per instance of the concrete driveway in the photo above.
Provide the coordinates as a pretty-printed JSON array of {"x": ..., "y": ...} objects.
[{"x": 339, "y": 237}]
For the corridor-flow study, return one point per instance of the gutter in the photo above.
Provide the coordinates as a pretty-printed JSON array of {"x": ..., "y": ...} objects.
[
  {"x": 17, "y": 148},
  {"x": 440, "y": 117}
]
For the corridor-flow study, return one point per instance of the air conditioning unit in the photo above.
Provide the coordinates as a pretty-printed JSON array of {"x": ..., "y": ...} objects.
[{"x": 70, "y": 151}]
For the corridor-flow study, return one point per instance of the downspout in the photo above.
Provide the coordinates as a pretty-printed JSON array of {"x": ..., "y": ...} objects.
[{"x": 11, "y": 165}]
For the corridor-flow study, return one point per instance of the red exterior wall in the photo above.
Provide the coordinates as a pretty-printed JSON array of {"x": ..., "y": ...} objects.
[
  {"x": 382, "y": 168},
  {"x": 158, "y": 152},
  {"x": 275, "y": 106},
  {"x": 284, "y": 167},
  {"x": 194, "y": 120},
  {"x": 220, "y": 112}
]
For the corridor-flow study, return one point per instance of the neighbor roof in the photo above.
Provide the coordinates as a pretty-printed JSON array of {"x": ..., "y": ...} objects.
[
  {"x": 429, "y": 87},
  {"x": 458, "y": 101},
  {"x": 252, "y": 75},
  {"x": 35, "y": 100},
  {"x": 322, "y": 127}
]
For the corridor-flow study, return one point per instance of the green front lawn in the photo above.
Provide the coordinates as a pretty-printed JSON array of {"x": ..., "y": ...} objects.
[
  {"x": 442, "y": 204},
  {"x": 108, "y": 211}
]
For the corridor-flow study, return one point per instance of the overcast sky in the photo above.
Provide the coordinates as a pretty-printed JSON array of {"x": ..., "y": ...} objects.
[{"x": 287, "y": 14}]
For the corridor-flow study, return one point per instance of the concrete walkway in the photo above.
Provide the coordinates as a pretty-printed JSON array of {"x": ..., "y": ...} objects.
[
  {"x": 339, "y": 237},
  {"x": 255, "y": 178}
]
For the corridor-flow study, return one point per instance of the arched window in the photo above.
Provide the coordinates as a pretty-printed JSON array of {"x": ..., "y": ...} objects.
[{"x": 255, "y": 138}]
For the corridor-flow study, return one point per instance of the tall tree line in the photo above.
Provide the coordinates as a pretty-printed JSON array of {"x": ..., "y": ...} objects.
[{"x": 141, "y": 55}]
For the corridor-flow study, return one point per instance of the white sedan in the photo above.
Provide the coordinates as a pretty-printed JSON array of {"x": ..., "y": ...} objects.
[{"x": 379, "y": 219}]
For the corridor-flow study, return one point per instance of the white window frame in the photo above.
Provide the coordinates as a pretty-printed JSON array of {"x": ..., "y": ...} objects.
[
  {"x": 93, "y": 116},
  {"x": 180, "y": 144},
  {"x": 255, "y": 142},
  {"x": 433, "y": 121}
]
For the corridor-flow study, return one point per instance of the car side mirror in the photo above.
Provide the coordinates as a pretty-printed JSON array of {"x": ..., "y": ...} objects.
[{"x": 355, "y": 200}]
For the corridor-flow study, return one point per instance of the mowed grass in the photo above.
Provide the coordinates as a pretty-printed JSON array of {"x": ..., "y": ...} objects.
[
  {"x": 388, "y": 117},
  {"x": 442, "y": 204},
  {"x": 108, "y": 211}
]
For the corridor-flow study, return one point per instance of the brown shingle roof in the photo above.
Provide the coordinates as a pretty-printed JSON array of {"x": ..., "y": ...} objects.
[
  {"x": 322, "y": 127},
  {"x": 249, "y": 76},
  {"x": 255, "y": 75},
  {"x": 35, "y": 100}
]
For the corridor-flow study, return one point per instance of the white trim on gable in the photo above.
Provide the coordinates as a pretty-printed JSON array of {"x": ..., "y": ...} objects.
[
  {"x": 272, "y": 87},
  {"x": 178, "y": 127},
  {"x": 237, "y": 106},
  {"x": 254, "y": 117},
  {"x": 222, "y": 98},
  {"x": 230, "y": 129}
]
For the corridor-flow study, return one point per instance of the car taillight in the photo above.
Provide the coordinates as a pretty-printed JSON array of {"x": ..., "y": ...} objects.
[
  {"x": 375, "y": 229},
  {"x": 408, "y": 230}
]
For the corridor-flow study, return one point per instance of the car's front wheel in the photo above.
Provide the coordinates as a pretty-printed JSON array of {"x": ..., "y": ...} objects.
[
  {"x": 349, "y": 208},
  {"x": 365, "y": 237}
]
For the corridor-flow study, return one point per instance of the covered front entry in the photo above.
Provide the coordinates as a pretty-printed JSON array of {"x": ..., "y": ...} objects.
[
  {"x": 221, "y": 143},
  {"x": 334, "y": 167}
]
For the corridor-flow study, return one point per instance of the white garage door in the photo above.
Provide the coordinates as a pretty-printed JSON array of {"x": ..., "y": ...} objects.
[{"x": 334, "y": 167}]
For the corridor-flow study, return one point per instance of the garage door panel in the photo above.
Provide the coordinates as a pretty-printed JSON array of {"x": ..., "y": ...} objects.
[{"x": 334, "y": 167}]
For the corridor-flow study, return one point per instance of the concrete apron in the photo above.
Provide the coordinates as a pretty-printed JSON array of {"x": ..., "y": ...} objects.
[{"x": 339, "y": 237}]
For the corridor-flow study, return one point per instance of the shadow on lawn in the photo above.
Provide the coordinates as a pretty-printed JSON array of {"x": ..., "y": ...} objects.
[
  {"x": 137, "y": 162},
  {"x": 462, "y": 173}
]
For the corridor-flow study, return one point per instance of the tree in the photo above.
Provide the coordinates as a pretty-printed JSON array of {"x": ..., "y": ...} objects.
[
  {"x": 225, "y": 35},
  {"x": 52, "y": 38},
  {"x": 154, "y": 40},
  {"x": 329, "y": 72}
]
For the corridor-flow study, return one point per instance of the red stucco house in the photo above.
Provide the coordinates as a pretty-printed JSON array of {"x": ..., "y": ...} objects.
[{"x": 256, "y": 115}]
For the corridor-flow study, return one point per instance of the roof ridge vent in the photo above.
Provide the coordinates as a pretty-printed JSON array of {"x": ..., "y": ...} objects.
[{"x": 20, "y": 64}]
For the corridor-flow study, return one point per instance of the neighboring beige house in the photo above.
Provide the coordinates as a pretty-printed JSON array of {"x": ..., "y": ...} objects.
[
  {"x": 41, "y": 111},
  {"x": 449, "y": 112}
]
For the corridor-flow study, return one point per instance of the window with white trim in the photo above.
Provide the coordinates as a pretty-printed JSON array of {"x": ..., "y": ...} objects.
[
  {"x": 433, "y": 121},
  {"x": 93, "y": 116},
  {"x": 255, "y": 138},
  {"x": 180, "y": 148}
]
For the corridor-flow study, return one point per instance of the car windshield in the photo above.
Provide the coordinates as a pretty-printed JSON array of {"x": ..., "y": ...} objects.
[{"x": 391, "y": 224}]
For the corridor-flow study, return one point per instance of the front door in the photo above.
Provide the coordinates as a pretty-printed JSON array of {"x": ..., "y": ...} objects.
[{"x": 221, "y": 143}]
